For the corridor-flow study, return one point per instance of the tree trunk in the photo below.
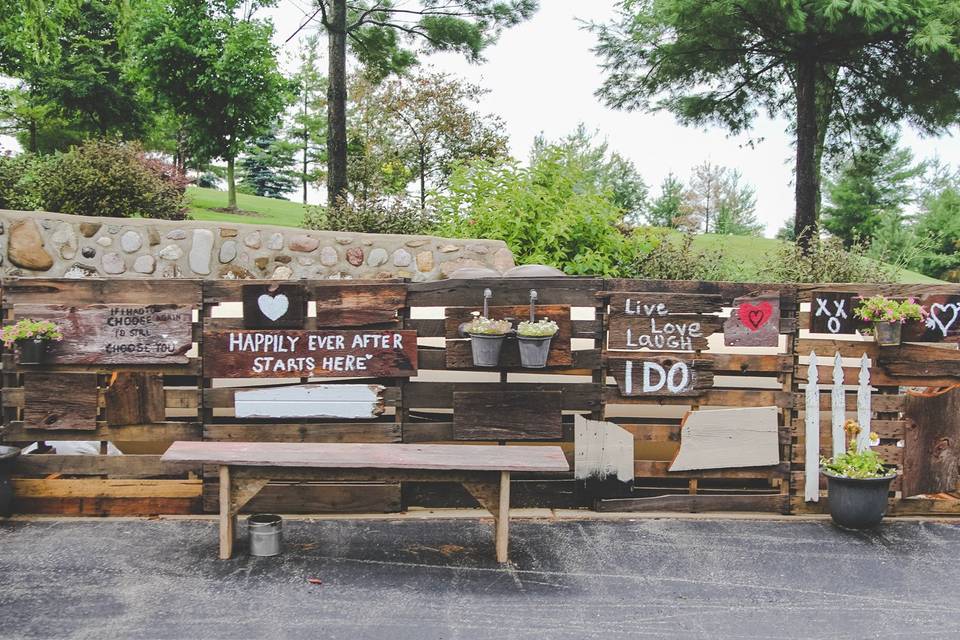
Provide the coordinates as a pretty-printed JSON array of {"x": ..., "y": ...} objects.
[
  {"x": 231, "y": 186},
  {"x": 337, "y": 103},
  {"x": 423, "y": 179},
  {"x": 826, "y": 91},
  {"x": 807, "y": 178}
]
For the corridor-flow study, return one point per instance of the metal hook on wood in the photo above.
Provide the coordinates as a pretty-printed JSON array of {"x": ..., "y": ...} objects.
[
  {"x": 533, "y": 305},
  {"x": 487, "y": 294}
]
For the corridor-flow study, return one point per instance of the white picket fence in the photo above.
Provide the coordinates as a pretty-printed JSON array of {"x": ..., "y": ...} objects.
[{"x": 811, "y": 492}]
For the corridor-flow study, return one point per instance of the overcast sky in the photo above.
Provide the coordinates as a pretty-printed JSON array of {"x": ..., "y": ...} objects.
[{"x": 542, "y": 76}]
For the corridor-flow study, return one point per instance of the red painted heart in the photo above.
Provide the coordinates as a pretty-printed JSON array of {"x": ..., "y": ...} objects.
[{"x": 754, "y": 316}]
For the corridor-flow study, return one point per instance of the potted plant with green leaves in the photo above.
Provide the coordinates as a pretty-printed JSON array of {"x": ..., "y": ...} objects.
[
  {"x": 486, "y": 339},
  {"x": 31, "y": 337},
  {"x": 888, "y": 316},
  {"x": 534, "y": 338},
  {"x": 857, "y": 483}
]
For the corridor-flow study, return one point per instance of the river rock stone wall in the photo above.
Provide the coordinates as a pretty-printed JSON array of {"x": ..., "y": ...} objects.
[{"x": 57, "y": 245}]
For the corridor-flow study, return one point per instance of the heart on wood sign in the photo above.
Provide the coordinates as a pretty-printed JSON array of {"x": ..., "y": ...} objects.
[
  {"x": 753, "y": 316},
  {"x": 273, "y": 307},
  {"x": 943, "y": 316}
]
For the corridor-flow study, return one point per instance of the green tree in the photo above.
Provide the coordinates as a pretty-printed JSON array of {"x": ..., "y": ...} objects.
[
  {"x": 309, "y": 122},
  {"x": 870, "y": 187},
  {"x": 938, "y": 228},
  {"x": 668, "y": 207},
  {"x": 382, "y": 34},
  {"x": 267, "y": 167},
  {"x": 603, "y": 169},
  {"x": 831, "y": 65},
  {"x": 216, "y": 66},
  {"x": 716, "y": 195}
]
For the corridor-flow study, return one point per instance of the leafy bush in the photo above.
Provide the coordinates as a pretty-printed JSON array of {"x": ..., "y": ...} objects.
[
  {"x": 674, "y": 258},
  {"x": 17, "y": 182},
  {"x": 827, "y": 260},
  {"x": 547, "y": 214},
  {"x": 113, "y": 180},
  {"x": 380, "y": 214}
]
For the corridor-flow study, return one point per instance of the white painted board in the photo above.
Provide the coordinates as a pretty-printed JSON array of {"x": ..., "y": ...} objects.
[
  {"x": 602, "y": 450},
  {"x": 811, "y": 458},
  {"x": 346, "y": 401},
  {"x": 728, "y": 438}
]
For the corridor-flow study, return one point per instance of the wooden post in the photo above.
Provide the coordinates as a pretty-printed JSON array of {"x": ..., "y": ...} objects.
[
  {"x": 227, "y": 518},
  {"x": 503, "y": 518}
]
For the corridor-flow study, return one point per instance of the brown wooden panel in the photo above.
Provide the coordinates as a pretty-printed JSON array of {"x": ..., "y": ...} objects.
[
  {"x": 697, "y": 503},
  {"x": 109, "y": 507},
  {"x": 15, "y": 431},
  {"x": 303, "y": 497},
  {"x": 661, "y": 375},
  {"x": 931, "y": 462},
  {"x": 274, "y": 306},
  {"x": 359, "y": 304},
  {"x": 832, "y": 312},
  {"x": 577, "y": 292},
  {"x": 460, "y": 356},
  {"x": 96, "y": 291},
  {"x": 661, "y": 469},
  {"x": 296, "y": 354},
  {"x": 55, "y": 401},
  {"x": 507, "y": 415},
  {"x": 439, "y": 395},
  {"x": 943, "y": 324},
  {"x": 116, "y": 334},
  {"x": 585, "y": 361},
  {"x": 754, "y": 321},
  {"x": 135, "y": 398},
  {"x": 716, "y": 398},
  {"x": 304, "y": 432},
  {"x": 679, "y": 332},
  {"x": 127, "y": 466},
  {"x": 649, "y": 304}
]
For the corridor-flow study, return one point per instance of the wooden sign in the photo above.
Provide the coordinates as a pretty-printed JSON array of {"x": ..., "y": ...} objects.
[
  {"x": 300, "y": 354},
  {"x": 728, "y": 438},
  {"x": 653, "y": 303},
  {"x": 345, "y": 401},
  {"x": 661, "y": 375},
  {"x": 359, "y": 304},
  {"x": 273, "y": 306},
  {"x": 602, "y": 450},
  {"x": 754, "y": 321},
  {"x": 661, "y": 331},
  {"x": 507, "y": 415},
  {"x": 116, "y": 334},
  {"x": 832, "y": 312},
  {"x": 460, "y": 356},
  {"x": 60, "y": 401},
  {"x": 942, "y": 325}
]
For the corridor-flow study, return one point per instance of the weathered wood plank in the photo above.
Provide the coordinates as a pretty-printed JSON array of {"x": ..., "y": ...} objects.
[
  {"x": 134, "y": 398},
  {"x": 97, "y": 290},
  {"x": 674, "y": 332},
  {"x": 106, "y": 488},
  {"x": 661, "y": 469},
  {"x": 359, "y": 304},
  {"x": 56, "y": 401},
  {"x": 439, "y": 395},
  {"x": 931, "y": 461},
  {"x": 603, "y": 450},
  {"x": 302, "y": 497},
  {"x": 15, "y": 431},
  {"x": 640, "y": 303},
  {"x": 297, "y": 354},
  {"x": 304, "y": 432},
  {"x": 754, "y": 321},
  {"x": 676, "y": 375},
  {"x": 943, "y": 324},
  {"x": 108, "y": 507},
  {"x": 577, "y": 292},
  {"x": 697, "y": 503},
  {"x": 832, "y": 312},
  {"x": 116, "y": 334},
  {"x": 370, "y": 456},
  {"x": 511, "y": 415},
  {"x": 135, "y": 466},
  {"x": 274, "y": 306},
  {"x": 346, "y": 401},
  {"x": 728, "y": 438}
]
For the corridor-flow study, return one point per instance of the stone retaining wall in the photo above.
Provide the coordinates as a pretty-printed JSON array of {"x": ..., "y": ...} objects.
[{"x": 58, "y": 245}]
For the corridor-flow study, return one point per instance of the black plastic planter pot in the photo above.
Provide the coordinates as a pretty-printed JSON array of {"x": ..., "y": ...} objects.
[
  {"x": 32, "y": 351},
  {"x": 857, "y": 503},
  {"x": 7, "y": 456}
]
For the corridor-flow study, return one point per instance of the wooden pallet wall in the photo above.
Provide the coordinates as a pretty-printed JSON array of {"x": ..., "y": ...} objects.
[{"x": 143, "y": 407}]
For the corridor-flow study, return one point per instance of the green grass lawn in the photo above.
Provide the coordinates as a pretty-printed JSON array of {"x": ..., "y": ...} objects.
[
  {"x": 257, "y": 210},
  {"x": 749, "y": 253}
]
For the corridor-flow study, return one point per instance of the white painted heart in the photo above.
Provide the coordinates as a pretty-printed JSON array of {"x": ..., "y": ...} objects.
[
  {"x": 944, "y": 326},
  {"x": 273, "y": 307}
]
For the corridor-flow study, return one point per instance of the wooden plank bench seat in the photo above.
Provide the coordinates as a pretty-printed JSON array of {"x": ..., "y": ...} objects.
[{"x": 484, "y": 470}]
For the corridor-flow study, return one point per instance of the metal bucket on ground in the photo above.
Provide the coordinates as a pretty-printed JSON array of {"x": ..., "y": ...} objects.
[{"x": 265, "y": 534}]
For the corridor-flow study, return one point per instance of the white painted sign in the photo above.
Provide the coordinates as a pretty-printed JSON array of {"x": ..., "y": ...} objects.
[
  {"x": 347, "y": 401},
  {"x": 602, "y": 450}
]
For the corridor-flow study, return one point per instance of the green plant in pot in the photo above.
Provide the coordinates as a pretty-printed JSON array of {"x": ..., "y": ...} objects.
[
  {"x": 31, "y": 337},
  {"x": 857, "y": 483},
  {"x": 888, "y": 316},
  {"x": 486, "y": 339},
  {"x": 534, "y": 339}
]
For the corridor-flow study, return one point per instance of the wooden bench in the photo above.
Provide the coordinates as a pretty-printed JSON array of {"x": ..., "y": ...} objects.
[{"x": 484, "y": 470}]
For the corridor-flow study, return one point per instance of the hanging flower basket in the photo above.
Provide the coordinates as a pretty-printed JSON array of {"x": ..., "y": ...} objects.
[
  {"x": 888, "y": 317},
  {"x": 534, "y": 339},
  {"x": 31, "y": 337},
  {"x": 486, "y": 339}
]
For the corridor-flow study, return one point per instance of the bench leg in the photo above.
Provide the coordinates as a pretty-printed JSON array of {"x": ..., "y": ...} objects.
[
  {"x": 228, "y": 519},
  {"x": 503, "y": 518}
]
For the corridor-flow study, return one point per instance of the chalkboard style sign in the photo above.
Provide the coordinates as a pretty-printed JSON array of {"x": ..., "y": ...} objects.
[
  {"x": 832, "y": 312},
  {"x": 104, "y": 334},
  {"x": 662, "y": 376},
  {"x": 273, "y": 306},
  {"x": 662, "y": 322},
  {"x": 299, "y": 354},
  {"x": 754, "y": 321},
  {"x": 942, "y": 325}
]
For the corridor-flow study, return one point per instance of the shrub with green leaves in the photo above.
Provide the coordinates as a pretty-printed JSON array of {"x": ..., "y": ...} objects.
[
  {"x": 381, "y": 214},
  {"x": 18, "y": 176},
  {"x": 116, "y": 180},
  {"x": 675, "y": 258},
  {"x": 826, "y": 260},
  {"x": 547, "y": 214}
]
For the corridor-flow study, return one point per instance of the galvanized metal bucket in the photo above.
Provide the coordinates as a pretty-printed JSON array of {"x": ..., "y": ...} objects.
[
  {"x": 887, "y": 334},
  {"x": 265, "y": 531},
  {"x": 534, "y": 351},
  {"x": 486, "y": 349}
]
